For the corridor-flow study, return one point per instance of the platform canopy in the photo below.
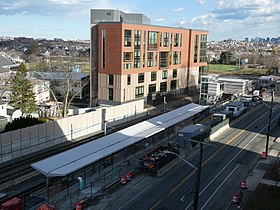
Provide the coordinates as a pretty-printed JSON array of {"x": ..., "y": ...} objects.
[{"x": 79, "y": 157}]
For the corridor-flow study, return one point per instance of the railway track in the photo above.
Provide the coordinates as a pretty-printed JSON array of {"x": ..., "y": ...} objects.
[{"x": 13, "y": 173}]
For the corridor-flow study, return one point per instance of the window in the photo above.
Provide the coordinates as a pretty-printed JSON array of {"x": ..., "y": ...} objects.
[
  {"x": 174, "y": 74},
  {"x": 127, "y": 66},
  {"x": 156, "y": 58},
  {"x": 160, "y": 39},
  {"x": 150, "y": 59},
  {"x": 137, "y": 57},
  {"x": 110, "y": 79},
  {"x": 203, "y": 42},
  {"x": 110, "y": 94},
  {"x": 163, "y": 86},
  {"x": 152, "y": 40},
  {"x": 153, "y": 76},
  {"x": 180, "y": 40},
  {"x": 128, "y": 79},
  {"x": 175, "y": 58},
  {"x": 163, "y": 59},
  {"x": 141, "y": 77},
  {"x": 165, "y": 39},
  {"x": 176, "y": 40},
  {"x": 173, "y": 85},
  {"x": 144, "y": 50},
  {"x": 152, "y": 88},
  {"x": 137, "y": 38},
  {"x": 127, "y": 56},
  {"x": 195, "y": 49},
  {"x": 180, "y": 57},
  {"x": 164, "y": 74},
  {"x": 103, "y": 48},
  {"x": 127, "y": 38},
  {"x": 139, "y": 92},
  {"x": 144, "y": 41}
]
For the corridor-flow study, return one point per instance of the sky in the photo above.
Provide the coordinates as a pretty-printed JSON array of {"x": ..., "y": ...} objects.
[{"x": 70, "y": 19}]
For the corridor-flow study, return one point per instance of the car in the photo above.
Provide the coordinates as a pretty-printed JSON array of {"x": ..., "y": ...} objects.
[{"x": 278, "y": 121}]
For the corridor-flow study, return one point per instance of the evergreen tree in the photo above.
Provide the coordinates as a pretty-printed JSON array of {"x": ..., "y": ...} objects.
[
  {"x": 225, "y": 57},
  {"x": 22, "y": 96}
]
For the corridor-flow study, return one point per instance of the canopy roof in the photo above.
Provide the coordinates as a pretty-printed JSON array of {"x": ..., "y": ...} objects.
[{"x": 74, "y": 159}]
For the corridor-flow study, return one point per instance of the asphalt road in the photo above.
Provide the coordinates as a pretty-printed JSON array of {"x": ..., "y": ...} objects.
[{"x": 225, "y": 164}]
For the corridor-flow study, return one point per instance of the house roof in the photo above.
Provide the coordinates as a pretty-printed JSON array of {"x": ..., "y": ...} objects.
[
  {"x": 2, "y": 102},
  {"x": 4, "y": 62},
  {"x": 57, "y": 75}
]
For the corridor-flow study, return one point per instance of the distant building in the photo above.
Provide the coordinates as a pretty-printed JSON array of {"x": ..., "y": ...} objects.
[
  {"x": 213, "y": 87},
  {"x": 266, "y": 81},
  {"x": 131, "y": 59},
  {"x": 6, "y": 65},
  {"x": 58, "y": 82}
]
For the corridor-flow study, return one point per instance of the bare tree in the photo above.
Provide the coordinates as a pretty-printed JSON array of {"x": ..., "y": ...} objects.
[{"x": 63, "y": 78}]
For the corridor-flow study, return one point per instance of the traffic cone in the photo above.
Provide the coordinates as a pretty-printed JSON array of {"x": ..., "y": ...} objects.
[
  {"x": 263, "y": 155},
  {"x": 128, "y": 176},
  {"x": 235, "y": 198},
  {"x": 78, "y": 206},
  {"x": 243, "y": 185},
  {"x": 123, "y": 180}
]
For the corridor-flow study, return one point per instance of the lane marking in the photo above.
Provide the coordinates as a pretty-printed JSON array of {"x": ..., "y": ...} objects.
[
  {"x": 134, "y": 197},
  {"x": 219, "y": 187},
  {"x": 208, "y": 159},
  {"x": 228, "y": 164}
]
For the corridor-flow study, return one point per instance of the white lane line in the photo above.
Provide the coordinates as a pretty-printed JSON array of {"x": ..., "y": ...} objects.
[
  {"x": 134, "y": 197},
  {"x": 228, "y": 164},
  {"x": 219, "y": 187}
]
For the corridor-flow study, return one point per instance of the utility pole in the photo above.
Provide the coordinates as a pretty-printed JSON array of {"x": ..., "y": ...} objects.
[
  {"x": 198, "y": 175},
  {"x": 164, "y": 103},
  {"x": 269, "y": 121}
]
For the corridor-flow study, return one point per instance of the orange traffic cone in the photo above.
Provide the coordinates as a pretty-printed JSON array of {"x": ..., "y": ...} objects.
[
  {"x": 263, "y": 155},
  {"x": 128, "y": 176},
  {"x": 78, "y": 206},
  {"x": 235, "y": 198},
  {"x": 243, "y": 185}
]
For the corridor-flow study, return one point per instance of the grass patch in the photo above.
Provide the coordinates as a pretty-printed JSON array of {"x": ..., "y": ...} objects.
[
  {"x": 264, "y": 198},
  {"x": 234, "y": 69},
  {"x": 222, "y": 68}
]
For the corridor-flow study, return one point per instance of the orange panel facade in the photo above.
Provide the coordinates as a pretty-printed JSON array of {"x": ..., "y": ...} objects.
[{"x": 127, "y": 54}]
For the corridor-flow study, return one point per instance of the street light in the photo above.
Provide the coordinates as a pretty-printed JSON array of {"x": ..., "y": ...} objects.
[
  {"x": 269, "y": 120},
  {"x": 198, "y": 172},
  {"x": 190, "y": 164}
]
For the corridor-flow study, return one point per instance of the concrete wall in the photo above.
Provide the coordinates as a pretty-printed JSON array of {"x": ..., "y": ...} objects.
[{"x": 24, "y": 141}]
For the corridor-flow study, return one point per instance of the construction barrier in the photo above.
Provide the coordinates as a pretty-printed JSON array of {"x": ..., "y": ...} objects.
[
  {"x": 78, "y": 206},
  {"x": 263, "y": 155},
  {"x": 128, "y": 176},
  {"x": 243, "y": 184},
  {"x": 123, "y": 180},
  {"x": 235, "y": 198}
]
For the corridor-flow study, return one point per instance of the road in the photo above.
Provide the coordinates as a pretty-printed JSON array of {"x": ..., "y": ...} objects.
[{"x": 225, "y": 164}]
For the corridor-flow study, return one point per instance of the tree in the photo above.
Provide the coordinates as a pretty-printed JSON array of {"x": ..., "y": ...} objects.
[
  {"x": 225, "y": 57},
  {"x": 22, "y": 96},
  {"x": 67, "y": 83},
  {"x": 65, "y": 68}
]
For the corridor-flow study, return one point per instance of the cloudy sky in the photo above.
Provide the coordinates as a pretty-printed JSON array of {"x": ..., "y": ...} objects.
[{"x": 69, "y": 19}]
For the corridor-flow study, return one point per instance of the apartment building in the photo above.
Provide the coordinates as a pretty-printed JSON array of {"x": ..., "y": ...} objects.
[{"x": 131, "y": 59}]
